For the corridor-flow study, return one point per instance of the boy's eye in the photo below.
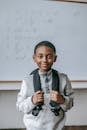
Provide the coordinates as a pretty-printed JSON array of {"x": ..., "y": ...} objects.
[
  {"x": 49, "y": 56},
  {"x": 40, "y": 56}
]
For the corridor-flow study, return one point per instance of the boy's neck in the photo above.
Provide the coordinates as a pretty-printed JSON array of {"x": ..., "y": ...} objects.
[{"x": 43, "y": 72}]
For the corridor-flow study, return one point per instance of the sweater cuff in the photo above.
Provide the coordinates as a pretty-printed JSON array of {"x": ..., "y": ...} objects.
[
  {"x": 31, "y": 105},
  {"x": 64, "y": 106}
]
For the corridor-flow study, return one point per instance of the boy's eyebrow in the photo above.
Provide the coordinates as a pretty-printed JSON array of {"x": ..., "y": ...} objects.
[
  {"x": 43, "y": 54},
  {"x": 39, "y": 54}
]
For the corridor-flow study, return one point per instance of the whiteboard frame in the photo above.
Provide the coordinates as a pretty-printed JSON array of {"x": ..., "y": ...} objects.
[
  {"x": 16, "y": 84},
  {"x": 73, "y": 1}
]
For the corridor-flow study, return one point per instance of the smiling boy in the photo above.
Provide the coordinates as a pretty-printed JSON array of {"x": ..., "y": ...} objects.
[{"x": 46, "y": 94}]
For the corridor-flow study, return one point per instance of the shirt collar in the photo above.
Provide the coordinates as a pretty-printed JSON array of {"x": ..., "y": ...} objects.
[{"x": 48, "y": 73}]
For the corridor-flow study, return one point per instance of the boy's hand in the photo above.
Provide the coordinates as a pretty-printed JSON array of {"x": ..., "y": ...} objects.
[
  {"x": 38, "y": 97},
  {"x": 57, "y": 97}
]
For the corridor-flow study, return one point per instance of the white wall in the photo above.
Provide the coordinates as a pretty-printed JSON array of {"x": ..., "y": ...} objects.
[{"x": 10, "y": 118}]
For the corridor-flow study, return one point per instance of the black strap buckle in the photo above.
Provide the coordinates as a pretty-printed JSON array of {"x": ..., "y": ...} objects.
[
  {"x": 36, "y": 110},
  {"x": 56, "y": 111},
  {"x": 55, "y": 107}
]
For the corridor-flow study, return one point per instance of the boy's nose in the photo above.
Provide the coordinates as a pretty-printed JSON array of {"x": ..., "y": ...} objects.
[{"x": 44, "y": 58}]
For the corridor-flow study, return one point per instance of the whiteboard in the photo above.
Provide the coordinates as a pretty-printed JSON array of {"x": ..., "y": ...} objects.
[{"x": 25, "y": 23}]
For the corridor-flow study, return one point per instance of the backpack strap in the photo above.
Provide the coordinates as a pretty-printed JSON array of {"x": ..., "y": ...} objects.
[
  {"x": 36, "y": 80},
  {"x": 37, "y": 87},
  {"x": 55, "y": 80}
]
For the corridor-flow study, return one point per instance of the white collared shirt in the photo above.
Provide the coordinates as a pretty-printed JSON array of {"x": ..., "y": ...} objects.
[{"x": 43, "y": 78}]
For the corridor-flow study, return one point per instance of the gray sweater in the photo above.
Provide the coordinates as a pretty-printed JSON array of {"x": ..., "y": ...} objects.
[{"x": 46, "y": 119}]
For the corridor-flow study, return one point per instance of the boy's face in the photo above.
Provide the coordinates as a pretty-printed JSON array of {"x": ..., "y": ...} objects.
[{"x": 44, "y": 58}]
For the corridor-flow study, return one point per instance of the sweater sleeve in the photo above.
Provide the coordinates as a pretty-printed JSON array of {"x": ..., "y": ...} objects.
[
  {"x": 24, "y": 100},
  {"x": 68, "y": 95}
]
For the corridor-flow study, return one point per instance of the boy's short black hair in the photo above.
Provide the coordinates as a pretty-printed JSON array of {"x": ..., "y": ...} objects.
[{"x": 45, "y": 43}]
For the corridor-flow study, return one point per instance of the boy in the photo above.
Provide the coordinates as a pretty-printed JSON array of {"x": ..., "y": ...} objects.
[{"x": 45, "y": 94}]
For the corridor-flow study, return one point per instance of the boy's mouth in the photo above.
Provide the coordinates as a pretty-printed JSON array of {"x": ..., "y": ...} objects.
[{"x": 44, "y": 65}]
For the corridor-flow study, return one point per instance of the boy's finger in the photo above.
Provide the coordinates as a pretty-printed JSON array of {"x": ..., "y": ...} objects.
[
  {"x": 39, "y": 92},
  {"x": 54, "y": 92}
]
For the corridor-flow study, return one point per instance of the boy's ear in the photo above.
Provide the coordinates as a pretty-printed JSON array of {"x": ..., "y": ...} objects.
[
  {"x": 55, "y": 58},
  {"x": 34, "y": 58}
]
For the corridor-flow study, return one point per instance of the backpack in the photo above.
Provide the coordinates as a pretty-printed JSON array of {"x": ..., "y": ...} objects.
[{"x": 37, "y": 86}]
